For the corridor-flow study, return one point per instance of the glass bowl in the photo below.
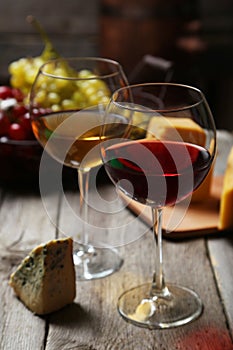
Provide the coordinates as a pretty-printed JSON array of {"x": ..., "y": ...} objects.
[
  {"x": 20, "y": 165},
  {"x": 20, "y": 162}
]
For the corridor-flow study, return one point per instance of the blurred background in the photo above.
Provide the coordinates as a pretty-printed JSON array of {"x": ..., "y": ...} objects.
[{"x": 187, "y": 41}]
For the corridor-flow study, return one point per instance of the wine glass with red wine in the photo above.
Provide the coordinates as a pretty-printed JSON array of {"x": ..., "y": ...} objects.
[
  {"x": 167, "y": 150},
  {"x": 67, "y": 104}
]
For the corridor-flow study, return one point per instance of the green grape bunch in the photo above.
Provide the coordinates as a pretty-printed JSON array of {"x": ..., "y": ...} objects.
[
  {"x": 62, "y": 94},
  {"x": 59, "y": 94}
]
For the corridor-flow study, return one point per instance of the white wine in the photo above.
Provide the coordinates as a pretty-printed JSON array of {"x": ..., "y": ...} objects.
[{"x": 73, "y": 138}]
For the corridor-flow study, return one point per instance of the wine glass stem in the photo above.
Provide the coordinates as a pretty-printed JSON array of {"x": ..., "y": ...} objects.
[
  {"x": 83, "y": 179},
  {"x": 158, "y": 283}
]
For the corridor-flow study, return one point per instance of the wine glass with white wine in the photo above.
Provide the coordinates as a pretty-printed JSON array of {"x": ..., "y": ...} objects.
[{"x": 67, "y": 104}]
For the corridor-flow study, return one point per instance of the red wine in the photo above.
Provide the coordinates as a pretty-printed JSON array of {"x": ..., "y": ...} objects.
[{"x": 157, "y": 173}]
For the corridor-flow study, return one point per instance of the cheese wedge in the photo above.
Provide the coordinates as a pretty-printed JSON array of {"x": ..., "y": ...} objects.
[
  {"x": 182, "y": 129},
  {"x": 176, "y": 129},
  {"x": 45, "y": 280},
  {"x": 226, "y": 201},
  {"x": 203, "y": 191}
]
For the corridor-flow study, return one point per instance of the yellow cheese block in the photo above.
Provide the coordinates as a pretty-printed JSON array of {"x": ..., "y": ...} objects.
[
  {"x": 176, "y": 129},
  {"x": 182, "y": 129},
  {"x": 45, "y": 280},
  {"x": 226, "y": 202},
  {"x": 203, "y": 190}
]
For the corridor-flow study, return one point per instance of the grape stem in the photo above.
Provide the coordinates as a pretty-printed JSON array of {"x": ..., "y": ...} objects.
[{"x": 49, "y": 51}]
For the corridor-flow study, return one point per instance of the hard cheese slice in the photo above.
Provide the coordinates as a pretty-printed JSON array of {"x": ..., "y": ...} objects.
[
  {"x": 182, "y": 129},
  {"x": 45, "y": 280},
  {"x": 176, "y": 129},
  {"x": 226, "y": 203}
]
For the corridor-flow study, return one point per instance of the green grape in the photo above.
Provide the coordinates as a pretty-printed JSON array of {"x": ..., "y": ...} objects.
[
  {"x": 17, "y": 82},
  {"x": 84, "y": 74},
  {"x": 62, "y": 83},
  {"x": 82, "y": 85},
  {"x": 52, "y": 87},
  {"x": 89, "y": 91},
  {"x": 53, "y": 98},
  {"x": 38, "y": 62},
  {"x": 78, "y": 97},
  {"x": 17, "y": 67},
  {"x": 56, "y": 108},
  {"x": 30, "y": 75},
  {"x": 40, "y": 97},
  {"x": 68, "y": 104},
  {"x": 93, "y": 99}
]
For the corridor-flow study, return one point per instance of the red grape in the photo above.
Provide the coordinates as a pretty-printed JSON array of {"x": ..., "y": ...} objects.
[
  {"x": 4, "y": 124},
  {"x": 25, "y": 122},
  {"x": 19, "y": 110},
  {"x": 17, "y": 132},
  {"x": 5, "y": 92},
  {"x": 18, "y": 95}
]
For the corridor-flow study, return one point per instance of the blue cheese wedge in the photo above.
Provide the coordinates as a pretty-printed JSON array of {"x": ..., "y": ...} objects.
[{"x": 45, "y": 280}]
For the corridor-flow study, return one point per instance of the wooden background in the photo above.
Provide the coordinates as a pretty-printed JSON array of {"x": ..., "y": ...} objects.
[
  {"x": 72, "y": 26},
  {"x": 202, "y": 48}
]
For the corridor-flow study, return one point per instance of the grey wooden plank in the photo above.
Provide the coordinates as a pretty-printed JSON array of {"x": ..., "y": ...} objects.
[
  {"x": 221, "y": 250},
  {"x": 221, "y": 255},
  {"x": 24, "y": 222}
]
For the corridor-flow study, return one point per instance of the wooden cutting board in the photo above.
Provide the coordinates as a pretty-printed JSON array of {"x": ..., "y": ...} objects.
[{"x": 183, "y": 221}]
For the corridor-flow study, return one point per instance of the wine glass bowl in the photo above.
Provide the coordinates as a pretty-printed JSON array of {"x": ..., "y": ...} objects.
[
  {"x": 67, "y": 104},
  {"x": 165, "y": 153}
]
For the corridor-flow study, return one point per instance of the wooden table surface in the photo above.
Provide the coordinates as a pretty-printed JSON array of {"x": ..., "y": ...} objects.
[{"x": 92, "y": 321}]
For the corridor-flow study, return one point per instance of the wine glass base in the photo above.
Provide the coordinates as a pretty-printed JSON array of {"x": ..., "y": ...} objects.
[
  {"x": 180, "y": 307},
  {"x": 96, "y": 263}
]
